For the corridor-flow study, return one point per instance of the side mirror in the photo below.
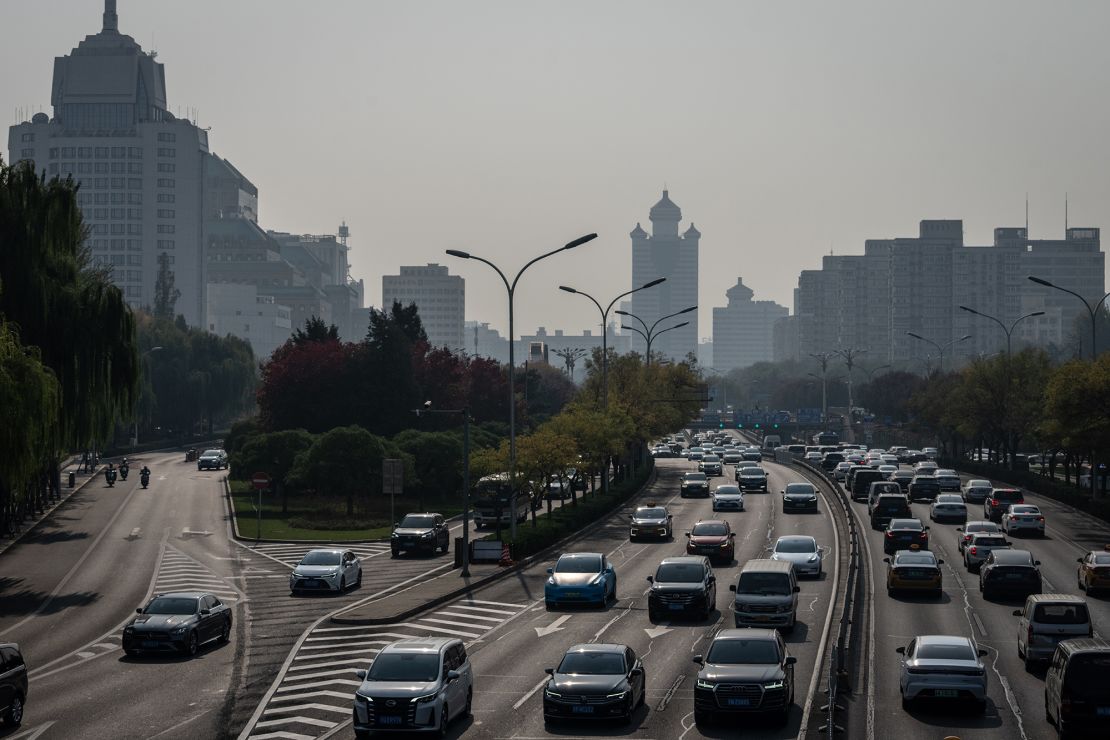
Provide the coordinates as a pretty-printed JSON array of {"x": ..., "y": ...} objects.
[
  {"x": 549, "y": 671},
  {"x": 205, "y": 612},
  {"x": 1079, "y": 560},
  {"x": 1009, "y": 544},
  {"x": 940, "y": 562},
  {"x": 900, "y": 650},
  {"x": 636, "y": 673},
  {"x": 959, "y": 529},
  {"x": 687, "y": 534},
  {"x": 886, "y": 560},
  {"x": 630, "y": 517},
  {"x": 361, "y": 675},
  {"x": 732, "y": 588},
  {"x": 790, "y": 660},
  {"x": 731, "y": 534},
  {"x": 983, "y": 653},
  {"x": 550, "y": 571},
  {"x": 1018, "y": 613},
  {"x": 139, "y": 610},
  {"x": 650, "y": 579},
  {"x": 699, "y": 660},
  {"x": 712, "y": 579},
  {"x": 926, "y": 529},
  {"x": 453, "y": 675},
  {"x": 1036, "y": 562},
  {"x": 669, "y": 517},
  {"x": 797, "y": 589}
]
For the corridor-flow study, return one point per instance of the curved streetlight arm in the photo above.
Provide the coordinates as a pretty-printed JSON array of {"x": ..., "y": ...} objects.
[
  {"x": 664, "y": 331},
  {"x": 1047, "y": 284},
  {"x": 634, "y": 316},
  {"x": 923, "y": 339},
  {"x": 652, "y": 284},
  {"x": 587, "y": 295},
  {"x": 992, "y": 318},
  {"x": 632, "y": 328},
  {"x": 569, "y": 245},
  {"x": 671, "y": 316},
  {"x": 1023, "y": 318}
]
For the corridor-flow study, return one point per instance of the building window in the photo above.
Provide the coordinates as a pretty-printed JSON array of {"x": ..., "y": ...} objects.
[
  {"x": 101, "y": 152},
  {"x": 117, "y": 246},
  {"x": 117, "y": 183},
  {"x": 167, "y": 167},
  {"x": 117, "y": 259},
  {"x": 27, "y": 137},
  {"x": 135, "y": 260},
  {"x": 117, "y": 214},
  {"x": 166, "y": 244},
  {"x": 100, "y": 214},
  {"x": 166, "y": 182},
  {"x": 167, "y": 137},
  {"x": 166, "y": 197},
  {"x": 166, "y": 228},
  {"x": 166, "y": 213},
  {"x": 69, "y": 151},
  {"x": 27, "y": 153},
  {"x": 100, "y": 168},
  {"x": 118, "y": 168},
  {"x": 100, "y": 183},
  {"x": 135, "y": 199},
  {"x": 134, "y": 168},
  {"x": 116, "y": 198},
  {"x": 84, "y": 152},
  {"x": 135, "y": 183},
  {"x": 135, "y": 229},
  {"x": 84, "y": 168},
  {"x": 54, "y": 152},
  {"x": 134, "y": 245},
  {"x": 118, "y": 152},
  {"x": 117, "y": 229},
  {"x": 135, "y": 214},
  {"x": 100, "y": 229},
  {"x": 165, "y": 151},
  {"x": 134, "y": 152},
  {"x": 134, "y": 291}
]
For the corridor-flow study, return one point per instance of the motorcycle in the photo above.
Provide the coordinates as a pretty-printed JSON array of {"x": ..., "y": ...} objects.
[
  {"x": 123, "y": 471},
  {"x": 110, "y": 476},
  {"x": 144, "y": 478}
]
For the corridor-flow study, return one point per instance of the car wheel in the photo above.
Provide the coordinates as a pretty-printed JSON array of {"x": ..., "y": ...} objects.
[
  {"x": 192, "y": 645},
  {"x": 394, "y": 553},
  {"x": 225, "y": 633},
  {"x": 130, "y": 653},
  {"x": 14, "y": 716},
  {"x": 906, "y": 703},
  {"x": 469, "y": 707},
  {"x": 358, "y": 581},
  {"x": 362, "y": 735},
  {"x": 444, "y": 720},
  {"x": 342, "y": 585},
  {"x": 548, "y": 605}
]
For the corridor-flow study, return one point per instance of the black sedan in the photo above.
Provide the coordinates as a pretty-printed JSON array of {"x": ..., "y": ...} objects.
[
  {"x": 799, "y": 497},
  {"x": 903, "y": 534},
  {"x": 694, "y": 484},
  {"x": 177, "y": 623},
  {"x": 1010, "y": 573},
  {"x": 595, "y": 681}
]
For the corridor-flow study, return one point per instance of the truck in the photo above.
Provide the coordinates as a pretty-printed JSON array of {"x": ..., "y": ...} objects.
[{"x": 491, "y": 501}]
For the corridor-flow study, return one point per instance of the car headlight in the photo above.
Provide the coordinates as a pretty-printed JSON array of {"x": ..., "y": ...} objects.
[
  {"x": 427, "y": 698},
  {"x": 394, "y": 534},
  {"x": 180, "y": 630},
  {"x": 551, "y": 581},
  {"x": 363, "y": 698},
  {"x": 618, "y": 695},
  {"x": 726, "y": 543},
  {"x": 786, "y": 608},
  {"x": 780, "y": 683},
  {"x": 552, "y": 694},
  {"x": 703, "y": 684},
  {"x": 426, "y": 535},
  {"x": 597, "y": 580},
  {"x": 814, "y": 558}
]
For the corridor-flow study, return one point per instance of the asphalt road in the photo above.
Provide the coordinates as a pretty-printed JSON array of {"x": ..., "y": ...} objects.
[{"x": 1016, "y": 705}]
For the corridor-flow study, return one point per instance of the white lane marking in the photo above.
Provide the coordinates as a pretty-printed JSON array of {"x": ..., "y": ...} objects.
[
  {"x": 552, "y": 628},
  {"x": 531, "y": 691},
  {"x": 32, "y": 732},
  {"x": 654, "y": 632},
  {"x": 487, "y": 603}
]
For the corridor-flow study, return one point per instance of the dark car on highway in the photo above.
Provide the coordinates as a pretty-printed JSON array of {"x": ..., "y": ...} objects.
[
  {"x": 999, "y": 500},
  {"x": 712, "y": 538},
  {"x": 745, "y": 671},
  {"x": 694, "y": 484},
  {"x": 903, "y": 534},
  {"x": 861, "y": 479},
  {"x": 683, "y": 585},
  {"x": 751, "y": 479},
  {"x": 595, "y": 681},
  {"x": 13, "y": 684},
  {"x": 420, "y": 533},
  {"x": 649, "y": 521},
  {"x": 924, "y": 488},
  {"x": 888, "y": 506},
  {"x": 799, "y": 497},
  {"x": 178, "y": 622},
  {"x": 1012, "y": 573}
]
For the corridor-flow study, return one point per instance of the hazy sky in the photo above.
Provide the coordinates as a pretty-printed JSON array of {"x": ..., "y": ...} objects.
[{"x": 784, "y": 130}]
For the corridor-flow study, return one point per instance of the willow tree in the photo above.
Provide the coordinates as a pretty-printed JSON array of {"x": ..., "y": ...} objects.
[{"x": 68, "y": 309}]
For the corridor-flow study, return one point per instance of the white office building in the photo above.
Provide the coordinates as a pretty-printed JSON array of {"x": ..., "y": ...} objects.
[
  {"x": 440, "y": 299},
  {"x": 238, "y": 309}
]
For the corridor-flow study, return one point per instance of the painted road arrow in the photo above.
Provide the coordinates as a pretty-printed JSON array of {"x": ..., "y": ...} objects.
[
  {"x": 553, "y": 627},
  {"x": 656, "y": 631}
]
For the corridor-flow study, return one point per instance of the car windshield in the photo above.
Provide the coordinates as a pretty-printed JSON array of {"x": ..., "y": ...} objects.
[
  {"x": 914, "y": 559},
  {"x": 945, "y": 652},
  {"x": 171, "y": 605},
  {"x": 775, "y": 584},
  {"x": 752, "y": 472},
  {"x": 593, "y": 664},
  {"x": 711, "y": 459},
  {"x": 650, "y": 512},
  {"x": 981, "y": 527},
  {"x": 695, "y": 477},
  {"x": 743, "y": 652},
  {"x": 400, "y": 666},
  {"x": 709, "y": 529},
  {"x": 1089, "y": 669},
  {"x": 680, "y": 573},
  {"x": 1061, "y": 614},
  {"x": 990, "y": 541},
  {"x": 796, "y": 545},
  {"x": 799, "y": 488},
  {"x": 949, "y": 498},
  {"x": 579, "y": 564},
  {"x": 727, "y": 491},
  {"x": 911, "y": 524},
  {"x": 1024, "y": 510},
  {"x": 1004, "y": 495},
  {"x": 418, "y": 521},
  {"x": 1101, "y": 559},
  {"x": 321, "y": 558}
]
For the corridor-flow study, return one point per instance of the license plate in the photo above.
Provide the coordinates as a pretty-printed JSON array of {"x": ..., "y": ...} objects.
[
  {"x": 762, "y": 618},
  {"x": 573, "y": 594},
  {"x": 389, "y": 719},
  {"x": 946, "y": 693},
  {"x": 675, "y": 607},
  {"x": 582, "y": 709},
  {"x": 1014, "y": 576},
  {"x": 150, "y": 644},
  {"x": 738, "y": 702}
]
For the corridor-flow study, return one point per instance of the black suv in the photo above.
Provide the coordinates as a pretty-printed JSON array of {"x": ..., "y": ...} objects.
[
  {"x": 682, "y": 585},
  {"x": 999, "y": 500},
  {"x": 924, "y": 487},
  {"x": 13, "y": 684},
  {"x": 1010, "y": 573},
  {"x": 862, "y": 480},
  {"x": 420, "y": 533},
  {"x": 694, "y": 484},
  {"x": 889, "y": 506}
]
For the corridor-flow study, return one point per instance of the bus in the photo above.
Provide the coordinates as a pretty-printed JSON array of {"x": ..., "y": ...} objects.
[
  {"x": 491, "y": 502},
  {"x": 826, "y": 438}
]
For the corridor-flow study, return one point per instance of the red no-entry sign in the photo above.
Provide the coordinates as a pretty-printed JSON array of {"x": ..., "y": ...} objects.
[{"x": 260, "y": 480}]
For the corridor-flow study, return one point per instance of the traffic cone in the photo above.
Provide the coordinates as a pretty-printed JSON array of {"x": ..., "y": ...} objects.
[{"x": 506, "y": 555}]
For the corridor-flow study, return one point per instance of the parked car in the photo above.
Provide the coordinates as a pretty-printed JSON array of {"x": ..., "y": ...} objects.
[
  {"x": 1024, "y": 518},
  {"x": 1047, "y": 619},
  {"x": 416, "y": 684},
  {"x": 13, "y": 684},
  {"x": 580, "y": 578},
  {"x": 326, "y": 569},
  {"x": 420, "y": 532},
  {"x": 943, "y": 667},
  {"x": 744, "y": 671},
  {"x": 1076, "y": 692},
  {"x": 178, "y": 622},
  {"x": 1009, "y": 572},
  {"x": 681, "y": 586},
  {"x": 595, "y": 681}
]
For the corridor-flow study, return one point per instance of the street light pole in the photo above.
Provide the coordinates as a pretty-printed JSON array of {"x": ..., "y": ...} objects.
[
  {"x": 872, "y": 371},
  {"x": 510, "y": 288},
  {"x": 823, "y": 358},
  {"x": 849, "y": 356},
  {"x": 1091, "y": 310},
  {"x": 940, "y": 349},
  {"x": 1009, "y": 331},
  {"x": 142, "y": 365},
  {"x": 605, "y": 329},
  {"x": 649, "y": 333}
]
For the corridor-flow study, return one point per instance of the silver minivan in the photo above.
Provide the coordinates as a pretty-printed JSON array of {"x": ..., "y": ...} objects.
[
  {"x": 1046, "y": 620},
  {"x": 414, "y": 685},
  {"x": 766, "y": 595}
]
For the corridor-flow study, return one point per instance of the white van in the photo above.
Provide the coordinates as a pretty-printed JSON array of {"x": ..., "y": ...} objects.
[{"x": 771, "y": 441}]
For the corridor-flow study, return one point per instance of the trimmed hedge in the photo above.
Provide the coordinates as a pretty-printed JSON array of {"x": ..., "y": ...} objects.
[{"x": 1079, "y": 498}]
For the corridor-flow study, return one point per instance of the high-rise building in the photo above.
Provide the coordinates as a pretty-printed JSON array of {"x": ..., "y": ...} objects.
[
  {"x": 440, "y": 299},
  {"x": 743, "y": 331},
  {"x": 664, "y": 253},
  {"x": 902, "y": 285},
  {"x": 142, "y": 170},
  {"x": 482, "y": 341}
]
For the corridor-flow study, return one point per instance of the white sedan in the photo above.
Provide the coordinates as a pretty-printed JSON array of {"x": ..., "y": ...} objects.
[
  {"x": 840, "y": 472},
  {"x": 1023, "y": 518},
  {"x": 948, "y": 507},
  {"x": 728, "y": 498},
  {"x": 943, "y": 667},
  {"x": 800, "y": 550}
]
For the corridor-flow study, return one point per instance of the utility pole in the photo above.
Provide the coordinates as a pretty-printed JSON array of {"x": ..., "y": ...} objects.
[
  {"x": 823, "y": 358},
  {"x": 849, "y": 356}
]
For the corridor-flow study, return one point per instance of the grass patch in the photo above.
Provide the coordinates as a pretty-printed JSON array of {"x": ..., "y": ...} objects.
[{"x": 321, "y": 520}]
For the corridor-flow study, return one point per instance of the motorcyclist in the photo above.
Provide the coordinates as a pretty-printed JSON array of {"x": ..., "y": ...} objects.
[
  {"x": 110, "y": 475},
  {"x": 144, "y": 476},
  {"x": 124, "y": 469}
]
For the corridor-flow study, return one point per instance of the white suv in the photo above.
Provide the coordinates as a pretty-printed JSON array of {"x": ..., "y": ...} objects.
[{"x": 415, "y": 685}]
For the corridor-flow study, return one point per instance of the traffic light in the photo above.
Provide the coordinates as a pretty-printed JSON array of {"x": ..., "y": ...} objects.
[
  {"x": 739, "y": 425},
  {"x": 721, "y": 425},
  {"x": 757, "y": 425},
  {"x": 775, "y": 425}
]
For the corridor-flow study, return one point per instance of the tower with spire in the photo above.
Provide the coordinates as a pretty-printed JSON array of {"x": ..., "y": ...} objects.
[{"x": 666, "y": 253}]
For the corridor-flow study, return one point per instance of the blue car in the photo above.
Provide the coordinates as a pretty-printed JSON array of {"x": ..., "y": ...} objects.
[{"x": 580, "y": 578}]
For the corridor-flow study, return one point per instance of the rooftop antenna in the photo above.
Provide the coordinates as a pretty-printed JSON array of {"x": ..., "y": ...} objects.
[
  {"x": 1065, "y": 213},
  {"x": 111, "y": 20},
  {"x": 1027, "y": 215}
]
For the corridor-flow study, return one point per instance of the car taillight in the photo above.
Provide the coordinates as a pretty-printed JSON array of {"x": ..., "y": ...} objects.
[
  {"x": 973, "y": 550},
  {"x": 994, "y": 502},
  {"x": 889, "y": 533},
  {"x": 1040, "y": 519},
  {"x": 924, "y": 535}
]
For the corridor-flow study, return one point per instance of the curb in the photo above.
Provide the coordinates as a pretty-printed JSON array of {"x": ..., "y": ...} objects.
[
  {"x": 486, "y": 580},
  {"x": 11, "y": 543}
]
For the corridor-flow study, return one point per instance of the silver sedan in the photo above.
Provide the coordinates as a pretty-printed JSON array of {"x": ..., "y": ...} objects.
[
  {"x": 955, "y": 670},
  {"x": 802, "y": 551}
]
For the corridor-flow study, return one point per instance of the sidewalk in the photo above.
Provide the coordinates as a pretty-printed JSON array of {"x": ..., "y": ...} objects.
[{"x": 83, "y": 480}]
